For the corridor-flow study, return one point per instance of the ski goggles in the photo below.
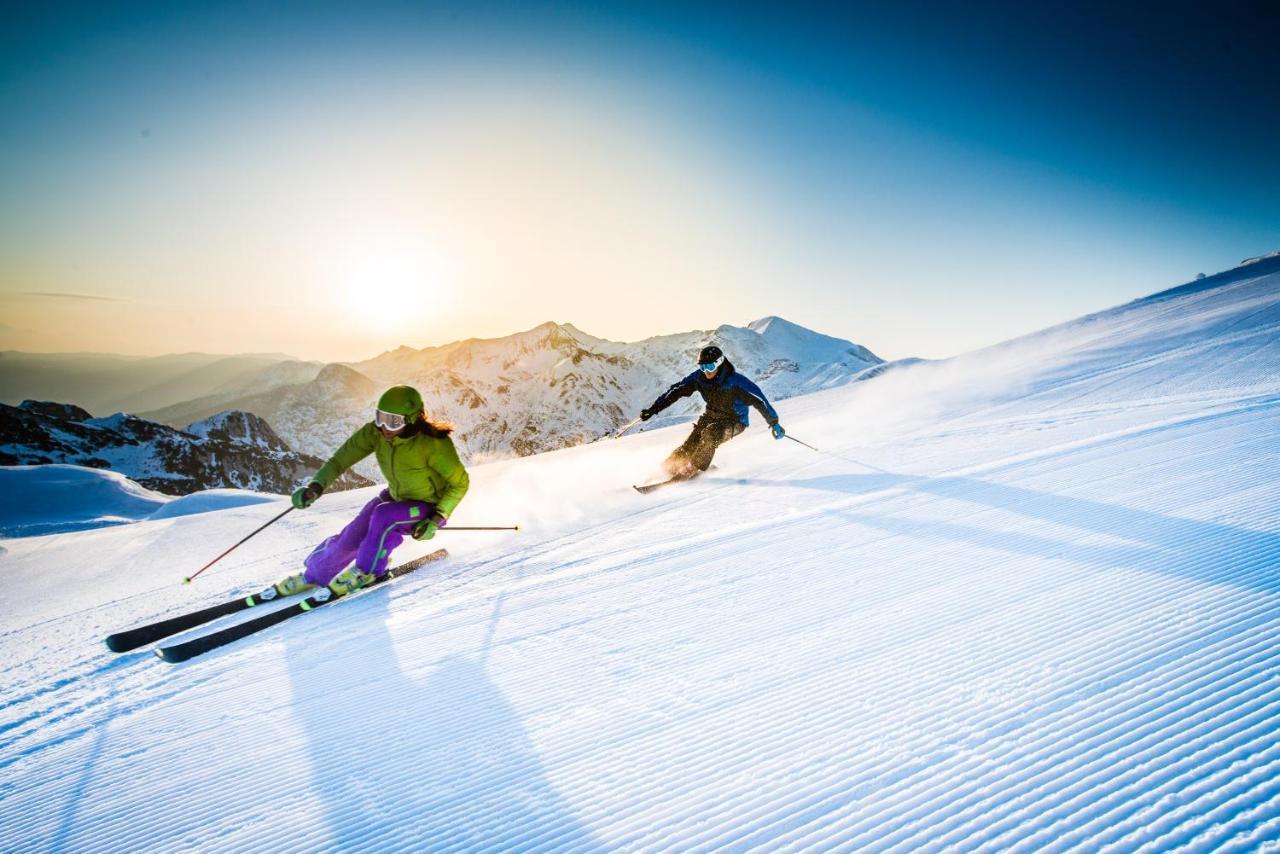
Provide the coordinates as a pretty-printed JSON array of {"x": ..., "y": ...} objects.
[
  {"x": 389, "y": 421},
  {"x": 709, "y": 367}
]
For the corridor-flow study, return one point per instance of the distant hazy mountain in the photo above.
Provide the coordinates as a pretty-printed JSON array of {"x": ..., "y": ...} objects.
[
  {"x": 103, "y": 383},
  {"x": 549, "y": 387},
  {"x": 233, "y": 449}
]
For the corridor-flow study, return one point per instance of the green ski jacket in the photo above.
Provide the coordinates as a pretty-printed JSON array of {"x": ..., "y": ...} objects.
[{"x": 417, "y": 468}]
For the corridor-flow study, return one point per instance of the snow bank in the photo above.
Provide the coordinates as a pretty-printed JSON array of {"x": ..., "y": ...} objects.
[
  {"x": 54, "y": 499},
  {"x": 209, "y": 500}
]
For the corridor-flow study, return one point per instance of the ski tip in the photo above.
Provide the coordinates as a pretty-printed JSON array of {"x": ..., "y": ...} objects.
[
  {"x": 114, "y": 644},
  {"x": 163, "y": 655}
]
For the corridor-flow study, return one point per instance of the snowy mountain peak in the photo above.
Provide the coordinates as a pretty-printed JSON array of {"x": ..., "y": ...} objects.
[
  {"x": 342, "y": 379},
  {"x": 762, "y": 325},
  {"x": 243, "y": 428},
  {"x": 797, "y": 339},
  {"x": 117, "y": 422}
]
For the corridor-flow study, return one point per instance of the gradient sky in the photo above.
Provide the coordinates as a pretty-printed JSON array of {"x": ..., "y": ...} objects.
[{"x": 328, "y": 183}]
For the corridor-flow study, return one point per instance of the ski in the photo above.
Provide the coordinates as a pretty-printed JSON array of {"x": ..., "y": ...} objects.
[
  {"x": 322, "y": 596},
  {"x": 646, "y": 488},
  {"x": 131, "y": 639}
]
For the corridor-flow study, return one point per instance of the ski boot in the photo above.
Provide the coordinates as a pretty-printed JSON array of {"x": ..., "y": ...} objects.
[
  {"x": 350, "y": 580},
  {"x": 290, "y": 586}
]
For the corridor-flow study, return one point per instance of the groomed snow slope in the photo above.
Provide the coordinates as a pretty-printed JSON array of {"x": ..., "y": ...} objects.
[{"x": 1038, "y": 613}]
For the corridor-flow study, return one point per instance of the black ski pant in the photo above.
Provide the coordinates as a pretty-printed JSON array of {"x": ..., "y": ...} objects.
[{"x": 695, "y": 454}]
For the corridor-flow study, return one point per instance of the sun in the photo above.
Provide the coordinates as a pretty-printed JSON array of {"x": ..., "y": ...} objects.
[{"x": 387, "y": 285}]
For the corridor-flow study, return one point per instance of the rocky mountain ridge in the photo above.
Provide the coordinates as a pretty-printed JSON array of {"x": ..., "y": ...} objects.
[{"x": 231, "y": 450}]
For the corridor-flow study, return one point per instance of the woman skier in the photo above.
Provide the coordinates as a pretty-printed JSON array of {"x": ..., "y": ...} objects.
[
  {"x": 425, "y": 482},
  {"x": 728, "y": 394}
]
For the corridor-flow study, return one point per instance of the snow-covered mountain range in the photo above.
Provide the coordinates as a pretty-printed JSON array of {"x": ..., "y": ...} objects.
[
  {"x": 550, "y": 387},
  {"x": 1023, "y": 600},
  {"x": 230, "y": 450}
]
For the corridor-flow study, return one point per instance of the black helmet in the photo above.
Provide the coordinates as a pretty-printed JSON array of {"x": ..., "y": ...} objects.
[{"x": 709, "y": 355}]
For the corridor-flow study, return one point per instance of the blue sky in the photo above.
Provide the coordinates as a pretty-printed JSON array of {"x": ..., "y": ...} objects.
[{"x": 923, "y": 180}]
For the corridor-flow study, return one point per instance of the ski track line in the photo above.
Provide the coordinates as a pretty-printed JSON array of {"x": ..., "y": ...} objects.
[
  {"x": 1153, "y": 827},
  {"x": 1236, "y": 793},
  {"x": 1016, "y": 832},
  {"x": 686, "y": 840},
  {"x": 1229, "y": 823},
  {"x": 931, "y": 771},
  {"x": 877, "y": 818}
]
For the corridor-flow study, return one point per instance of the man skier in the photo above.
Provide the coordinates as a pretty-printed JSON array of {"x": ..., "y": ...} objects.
[
  {"x": 425, "y": 482},
  {"x": 727, "y": 394}
]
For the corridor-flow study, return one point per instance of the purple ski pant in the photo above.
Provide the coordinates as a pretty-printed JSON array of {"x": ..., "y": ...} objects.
[{"x": 368, "y": 539}]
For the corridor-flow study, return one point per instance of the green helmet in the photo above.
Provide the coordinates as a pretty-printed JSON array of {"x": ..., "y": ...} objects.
[{"x": 401, "y": 400}]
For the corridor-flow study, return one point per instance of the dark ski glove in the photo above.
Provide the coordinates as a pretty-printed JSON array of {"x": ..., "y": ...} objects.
[
  {"x": 305, "y": 497},
  {"x": 427, "y": 528},
  {"x": 778, "y": 432},
  {"x": 646, "y": 414}
]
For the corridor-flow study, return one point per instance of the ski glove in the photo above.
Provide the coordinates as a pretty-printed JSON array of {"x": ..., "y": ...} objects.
[
  {"x": 646, "y": 414},
  {"x": 427, "y": 528},
  {"x": 778, "y": 432},
  {"x": 305, "y": 497}
]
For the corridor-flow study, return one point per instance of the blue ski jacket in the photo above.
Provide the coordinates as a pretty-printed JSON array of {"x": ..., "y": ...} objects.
[{"x": 728, "y": 395}]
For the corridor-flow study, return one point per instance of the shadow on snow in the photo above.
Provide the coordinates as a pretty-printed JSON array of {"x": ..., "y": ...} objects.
[
  {"x": 1207, "y": 552},
  {"x": 408, "y": 764}
]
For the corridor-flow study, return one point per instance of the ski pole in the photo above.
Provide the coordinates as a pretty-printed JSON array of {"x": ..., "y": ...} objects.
[
  {"x": 838, "y": 456},
  {"x": 189, "y": 578},
  {"x": 806, "y": 444},
  {"x": 482, "y": 528},
  {"x": 618, "y": 435}
]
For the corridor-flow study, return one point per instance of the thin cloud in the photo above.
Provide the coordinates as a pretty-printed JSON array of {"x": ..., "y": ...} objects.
[{"x": 55, "y": 295}]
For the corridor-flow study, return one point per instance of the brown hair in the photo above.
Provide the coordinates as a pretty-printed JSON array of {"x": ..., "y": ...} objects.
[{"x": 434, "y": 429}]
